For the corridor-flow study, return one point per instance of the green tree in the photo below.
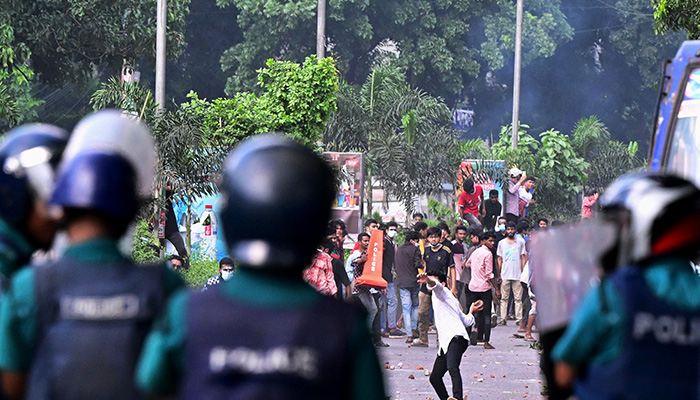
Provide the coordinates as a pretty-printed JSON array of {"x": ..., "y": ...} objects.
[
  {"x": 677, "y": 15},
  {"x": 16, "y": 102},
  {"x": 405, "y": 133},
  {"x": 552, "y": 160},
  {"x": 296, "y": 99},
  {"x": 607, "y": 159},
  {"x": 73, "y": 39},
  {"x": 442, "y": 45}
]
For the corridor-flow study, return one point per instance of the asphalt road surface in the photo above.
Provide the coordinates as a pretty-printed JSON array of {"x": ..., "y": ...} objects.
[{"x": 511, "y": 371}]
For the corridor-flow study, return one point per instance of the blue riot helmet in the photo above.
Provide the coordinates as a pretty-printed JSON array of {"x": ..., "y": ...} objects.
[
  {"x": 107, "y": 166},
  {"x": 28, "y": 156},
  {"x": 271, "y": 181}
]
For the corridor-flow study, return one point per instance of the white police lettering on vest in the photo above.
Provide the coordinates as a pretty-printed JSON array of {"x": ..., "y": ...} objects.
[
  {"x": 100, "y": 308},
  {"x": 667, "y": 329},
  {"x": 301, "y": 361}
]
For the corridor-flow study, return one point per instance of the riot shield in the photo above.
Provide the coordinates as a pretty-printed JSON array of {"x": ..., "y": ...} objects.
[{"x": 565, "y": 265}]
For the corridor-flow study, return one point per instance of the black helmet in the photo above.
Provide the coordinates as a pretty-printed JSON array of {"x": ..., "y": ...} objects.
[
  {"x": 28, "y": 157},
  {"x": 270, "y": 182},
  {"x": 655, "y": 215}
]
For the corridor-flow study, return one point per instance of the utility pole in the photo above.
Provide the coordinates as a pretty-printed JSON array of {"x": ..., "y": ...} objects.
[
  {"x": 161, "y": 20},
  {"x": 321, "y": 30},
  {"x": 516, "y": 73}
]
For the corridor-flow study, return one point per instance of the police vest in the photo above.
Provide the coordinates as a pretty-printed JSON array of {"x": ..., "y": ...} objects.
[
  {"x": 660, "y": 354},
  {"x": 242, "y": 351},
  {"x": 92, "y": 321}
]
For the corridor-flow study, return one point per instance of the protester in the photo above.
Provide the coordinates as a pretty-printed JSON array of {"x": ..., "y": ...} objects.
[
  {"x": 172, "y": 229},
  {"x": 422, "y": 229},
  {"x": 459, "y": 249},
  {"x": 469, "y": 202},
  {"x": 342, "y": 283},
  {"x": 438, "y": 261},
  {"x": 635, "y": 334},
  {"x": 482, "y": 281},
  {"x": 491, "y": 210},
  {"x": 265, "y": 334},
  {"x": 176, "y": 263},
  {"x": 511, "y": 261},
  {"x": 226, "y": 269},
  {"x": 417, "y": 217},
  {"x": 451, "y": 324},
  {"x": 388, "y": 257},
  {"x": 542, "y": 223},
  {"x": 517, "y": 177},
  {"x": 408, "y": 263},
  {"x": 525, "y": 196},
  {"x": 371, "y": 225},
  {"x": 73, "y": 329},
  {"x": 589, "y": 202},
  {"x": 320, "y": 274}
]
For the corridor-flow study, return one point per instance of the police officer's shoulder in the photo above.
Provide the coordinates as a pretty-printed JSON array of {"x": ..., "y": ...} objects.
[{"x": 171, "y": 279}]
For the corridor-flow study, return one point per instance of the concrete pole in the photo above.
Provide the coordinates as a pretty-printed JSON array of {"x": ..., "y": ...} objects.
[
  {"x": 162, "y": 17},
  {"x": 321, "y": 30},
  {"x": 516, "y": 72}
]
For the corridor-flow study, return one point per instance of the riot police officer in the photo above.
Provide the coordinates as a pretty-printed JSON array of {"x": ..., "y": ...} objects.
[
  {"x": 28, "y": 157},
  {"x": 74, "y": 328},
  {"x": 637, "y": 335},
  {"x": 266, "y": 334}
]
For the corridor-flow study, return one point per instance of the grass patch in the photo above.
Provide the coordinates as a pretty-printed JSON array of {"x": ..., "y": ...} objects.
[{"x": 199, "y": 272}]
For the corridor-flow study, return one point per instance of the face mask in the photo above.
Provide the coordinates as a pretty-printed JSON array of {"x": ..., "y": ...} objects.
[
  {"x": 391, "y": 234},
  {"x": 436, "y": 245},
  {"x": 501, "y": 227},
  {"x": 226, "y": 275},
  {"x": 416, "y": 244}
]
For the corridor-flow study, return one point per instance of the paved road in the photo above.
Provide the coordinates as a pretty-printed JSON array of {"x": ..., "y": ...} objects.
[{"x": 511, "y": 371}]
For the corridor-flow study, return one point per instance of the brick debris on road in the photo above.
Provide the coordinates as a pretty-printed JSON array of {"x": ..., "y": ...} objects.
[{"x": 511, "y": 371}]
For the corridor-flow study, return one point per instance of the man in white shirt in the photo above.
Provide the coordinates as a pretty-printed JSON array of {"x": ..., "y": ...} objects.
[
  {"x": 451, "y": 324},
  {"x": 511, "y": 260}
]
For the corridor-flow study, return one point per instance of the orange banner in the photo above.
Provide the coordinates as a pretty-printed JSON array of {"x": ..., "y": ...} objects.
[{"x": 372, "y": 272}]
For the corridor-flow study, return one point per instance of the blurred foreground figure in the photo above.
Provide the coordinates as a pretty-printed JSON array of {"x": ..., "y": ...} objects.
[
  {"x": 74, "y": 328},
  {"x": 266, "y": 334},
  {"x": 28, "y": 157},
  {"x": 637, "y": 334}
]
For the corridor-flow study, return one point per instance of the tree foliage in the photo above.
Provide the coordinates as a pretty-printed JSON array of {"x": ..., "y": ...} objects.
[
  {"x": 442, "y": 45},
  {"x": 72, "y": 39},
  {"x": 677, "y": 15},
  {"x": 296, "y": 99},
  {"x": 16, "y": 102},
  {"x": 567, "y": 165},
  {"x": 185, "y": 161},
  {"x": 405, "y": 133}
]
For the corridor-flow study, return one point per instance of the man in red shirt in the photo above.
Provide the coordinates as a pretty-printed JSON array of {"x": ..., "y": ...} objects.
[{"x": 469, "y": 202}]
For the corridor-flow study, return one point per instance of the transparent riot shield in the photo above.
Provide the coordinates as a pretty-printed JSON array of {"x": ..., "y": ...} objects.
[{"x": 565, "y": 265}]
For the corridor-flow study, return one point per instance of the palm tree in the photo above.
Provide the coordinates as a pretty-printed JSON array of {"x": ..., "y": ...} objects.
[
  {"x": 185, "y": 161},
  {"x": 406, "y": 135}
]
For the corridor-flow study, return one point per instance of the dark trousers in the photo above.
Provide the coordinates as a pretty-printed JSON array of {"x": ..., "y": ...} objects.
[
  {"x": 512, "y": 218},
  {"x": 548, "y": 340},
  {"x": 175, "y": 238},
  {"x": 482, "y": 319},
  {"x": 449, "y": 362},
  {"x": 376, "y": 323}
]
